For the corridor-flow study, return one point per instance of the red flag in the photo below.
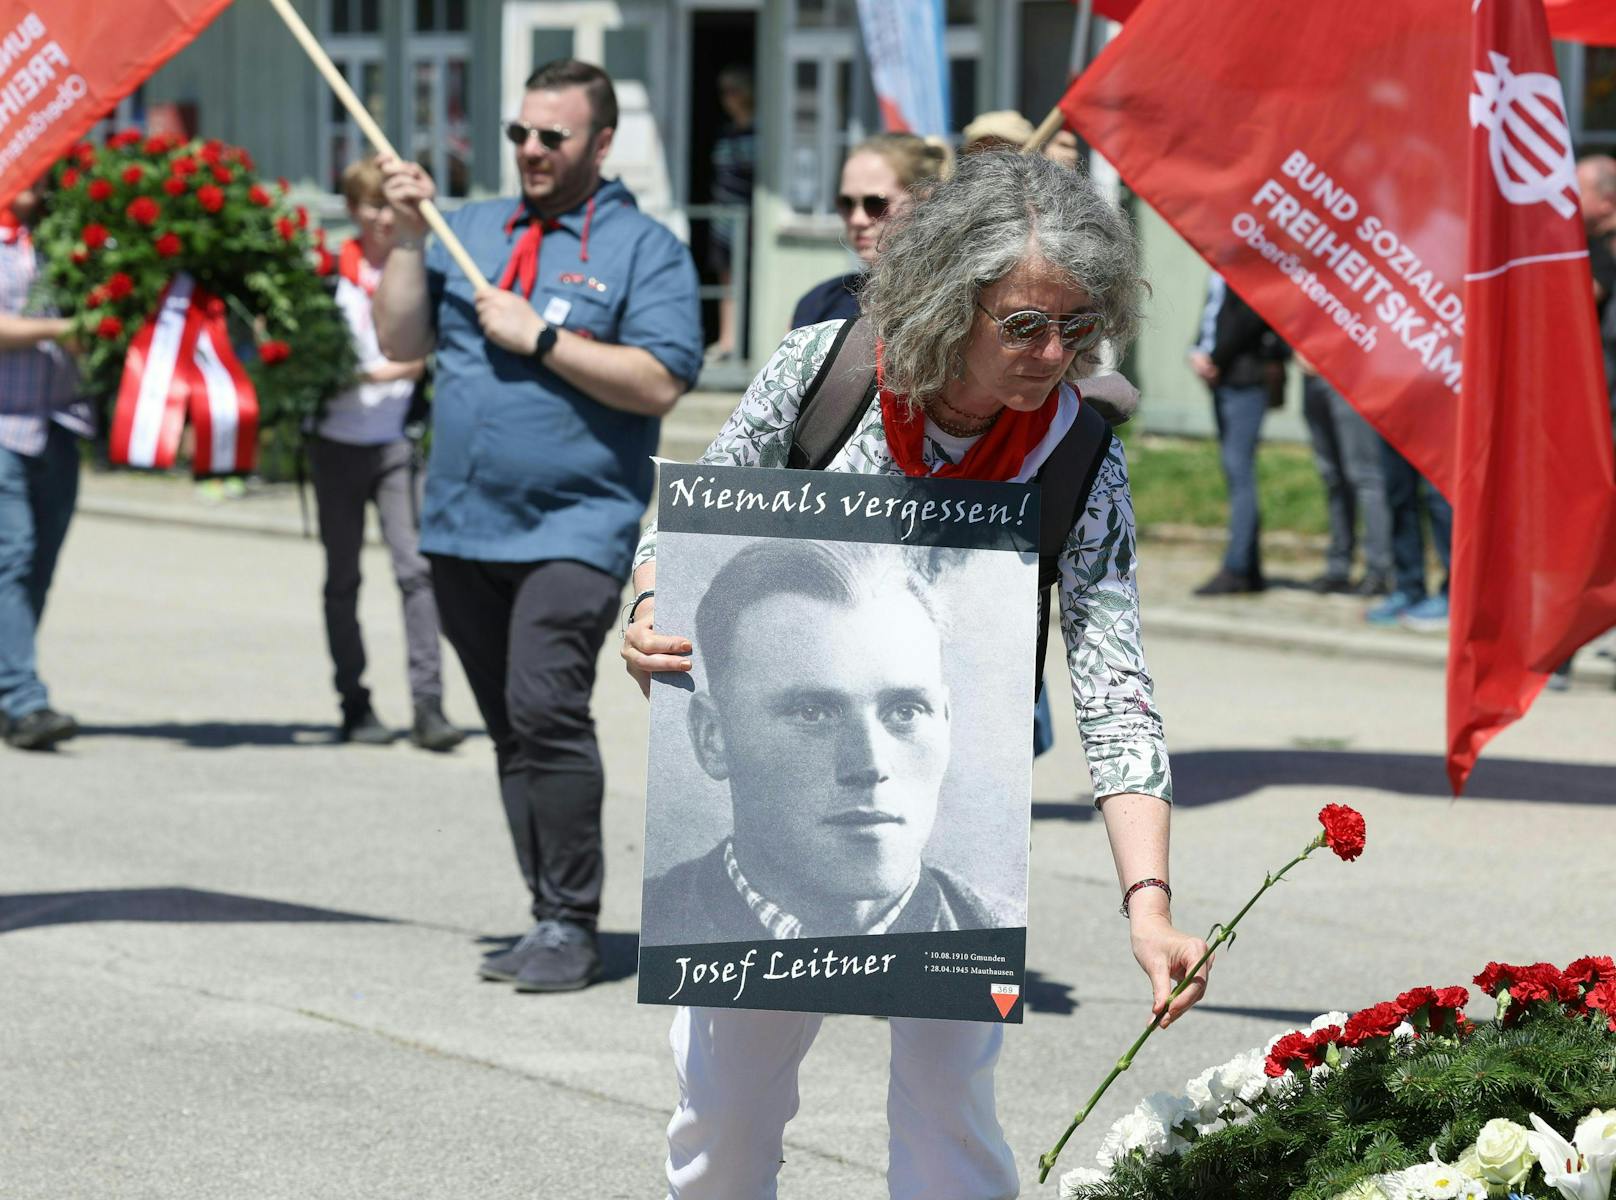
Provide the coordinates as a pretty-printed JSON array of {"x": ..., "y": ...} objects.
[
  {"x": 1116, "y": 10},
  {"x": 64, "y": 65},
  {"x": 1592, "y": 21},
  {"x": 1322, "y": 157}
]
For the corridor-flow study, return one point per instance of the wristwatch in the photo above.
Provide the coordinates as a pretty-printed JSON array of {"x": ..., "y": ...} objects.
[{"x": 545, "y": 343}]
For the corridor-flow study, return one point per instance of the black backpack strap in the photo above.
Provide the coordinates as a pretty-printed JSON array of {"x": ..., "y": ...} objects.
[
  {"x": 835, "y": 399},
  {"x": 1064, "y": 483}
]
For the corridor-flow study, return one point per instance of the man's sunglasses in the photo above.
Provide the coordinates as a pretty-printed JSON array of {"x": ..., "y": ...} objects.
[
  {"x": 1077, "y": 331},
  {"x": 518, "y": 132},
  {"x": 874, "y": 206}
]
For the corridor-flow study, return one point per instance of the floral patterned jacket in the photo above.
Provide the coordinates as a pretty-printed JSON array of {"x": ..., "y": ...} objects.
[{"x": 1099, "y": 600}]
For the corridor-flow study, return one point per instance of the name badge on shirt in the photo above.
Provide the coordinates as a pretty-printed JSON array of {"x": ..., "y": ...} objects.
[{"x": 555, "y": 312}]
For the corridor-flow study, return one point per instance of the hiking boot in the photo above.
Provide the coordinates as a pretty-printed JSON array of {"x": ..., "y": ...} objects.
[
  {"x": 364, "y": 728},
  {"x": 432, "y": 730},
  {"x": 564, "y": 959},
  {"x": 40, "y": 729}
]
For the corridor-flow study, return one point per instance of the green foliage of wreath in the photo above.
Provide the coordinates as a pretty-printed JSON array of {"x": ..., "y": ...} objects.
[{"x": 126, "y": 217}]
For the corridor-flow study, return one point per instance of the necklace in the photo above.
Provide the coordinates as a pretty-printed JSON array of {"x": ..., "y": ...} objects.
[{"x": 970, "y": 426}]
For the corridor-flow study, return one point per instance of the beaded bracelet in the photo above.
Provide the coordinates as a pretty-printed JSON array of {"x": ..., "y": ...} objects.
[{"x": 1143, "y": 883}]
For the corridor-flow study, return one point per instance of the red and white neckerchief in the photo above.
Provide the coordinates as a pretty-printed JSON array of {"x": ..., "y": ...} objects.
[
  {"x": 522, "y": 268},
  {"x": 999, "y": 454},
  {"x": 12, "y": 231},
  {"x": 358, "y": 270}
]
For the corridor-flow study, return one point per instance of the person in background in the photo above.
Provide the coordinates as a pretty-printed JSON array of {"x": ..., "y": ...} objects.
[
  {"x": 734, "y": 160},
  {"x": 360, "y": 456},
  {"x": 1062, "y": 148},
  {"x": 1004, "y": 129},
  {"x": 1346, "y": 450},
  {"x": 1237, "y": 356},
  {"x": 551, "y": 385},
  {"x": 1409, "y": 495},
  {"x": 876, "y": 179},
  {"x": 42, "y": 418}
]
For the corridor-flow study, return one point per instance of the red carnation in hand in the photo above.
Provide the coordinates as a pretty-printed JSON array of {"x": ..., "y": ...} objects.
[
  {"x": 286, "y": 228},
  {"x": 109, "y": 328},
  {"x": 132, "y": 175},
  {"x": 100, "y": 190},
  {"x": 210, "y": 198},
  {"x": 119, "y": 286},
  {"x": 174, "y": 185},
  {"x": 143, "y": 210},
  {"x": 222, "y": 174},
  {"x": 183, "y": 165},
  {"x": 259, "y": 196},
  {"x": 1588, "y": 972},
  {"x": 70, "y": 178},
  {"x": 1343, "y": 830},
  {"x": 167, "y": 246},
  {"x": 1376, "y": 1022},
  {"x": 274, "y": 352},
  {"x": 94, "y": 236}
]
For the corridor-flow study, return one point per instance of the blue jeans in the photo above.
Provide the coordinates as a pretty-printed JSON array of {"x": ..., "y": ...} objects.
[
  {"x": 1346, "y": 450},
  {"x": 1406, "y": 493},
  {"x": 1240, "y": 413},
  {"x": 37, "y": 496}
]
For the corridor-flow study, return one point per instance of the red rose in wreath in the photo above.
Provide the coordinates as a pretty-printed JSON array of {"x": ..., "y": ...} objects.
[
  {"x": 143, "y": 210},
  {"x": 100, "y": 190},
  {"x": 94, "y": 236},
  {"x": 210, "y": 198},
  {"x": 274, "y": 352},
  {"x": 168, "y": 246}
]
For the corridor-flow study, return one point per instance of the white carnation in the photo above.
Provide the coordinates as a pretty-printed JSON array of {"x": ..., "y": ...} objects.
[
  {"x": 1329, "y": 1018},
  {"x": 1434, "y": 1181},
  {"x": 1243, "y": 1077},
  {"x": 1148, "y": 1128}
]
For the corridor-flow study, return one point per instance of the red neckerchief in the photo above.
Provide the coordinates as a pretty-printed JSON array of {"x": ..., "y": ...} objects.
[
  {"x": 353, "y": 267},
  {"x": 523, "y": 266},
  {"x": 12, "y": 231},
  {"x": 997, "y": 455}
]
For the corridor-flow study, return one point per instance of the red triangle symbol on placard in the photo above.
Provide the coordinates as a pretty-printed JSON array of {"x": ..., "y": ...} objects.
[{"x": 1004, "y": 1003}]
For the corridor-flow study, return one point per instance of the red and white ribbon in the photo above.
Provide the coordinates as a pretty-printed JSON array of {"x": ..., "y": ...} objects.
[{"x": 180, "y": 364}]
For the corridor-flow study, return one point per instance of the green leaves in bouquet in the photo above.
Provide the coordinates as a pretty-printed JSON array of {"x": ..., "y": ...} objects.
[
  {"x": 126, "y": 217},
  {"x": 1390, "y": 1106}
]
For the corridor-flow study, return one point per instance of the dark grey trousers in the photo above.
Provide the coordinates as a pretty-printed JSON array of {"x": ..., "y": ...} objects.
[
  {"x": 346, "y": 479},
  {"x": 528, "y": 635},
  {"x": 1346, "y": 450}
]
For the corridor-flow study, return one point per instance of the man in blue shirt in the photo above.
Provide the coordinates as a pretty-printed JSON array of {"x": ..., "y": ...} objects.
[{"x": 550, "y": 389}]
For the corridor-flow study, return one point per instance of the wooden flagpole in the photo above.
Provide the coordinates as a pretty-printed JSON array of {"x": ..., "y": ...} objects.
[{"x": 372, "y": 131}]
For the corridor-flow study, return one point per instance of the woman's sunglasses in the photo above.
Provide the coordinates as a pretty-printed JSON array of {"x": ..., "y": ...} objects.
[
  {"x": 518, "y": 132},
  {"x": 1077, "y": 331},
  {"x": 874, "y": 206}
]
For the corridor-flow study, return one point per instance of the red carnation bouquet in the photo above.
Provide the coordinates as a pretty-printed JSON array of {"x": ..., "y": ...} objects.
[{"x": 127, "y": 218}]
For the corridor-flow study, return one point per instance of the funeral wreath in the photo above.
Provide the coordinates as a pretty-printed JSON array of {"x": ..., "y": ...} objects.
[{"x": 142, "y": 221}]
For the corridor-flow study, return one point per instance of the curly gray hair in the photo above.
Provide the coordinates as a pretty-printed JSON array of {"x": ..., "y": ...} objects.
[{"x": 968, "y": 232}]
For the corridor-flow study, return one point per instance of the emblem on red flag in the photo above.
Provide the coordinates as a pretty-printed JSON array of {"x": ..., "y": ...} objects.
[{"x": 1529, "y": 144}]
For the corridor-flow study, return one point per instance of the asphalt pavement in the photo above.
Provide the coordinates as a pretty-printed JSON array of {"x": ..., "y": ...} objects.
[{"x": 238, "y": 960}]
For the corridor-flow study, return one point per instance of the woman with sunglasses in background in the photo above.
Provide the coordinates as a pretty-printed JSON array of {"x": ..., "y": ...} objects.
[
  {"x": 987, "y": 303},
  {"x": 876, "y": 179}
]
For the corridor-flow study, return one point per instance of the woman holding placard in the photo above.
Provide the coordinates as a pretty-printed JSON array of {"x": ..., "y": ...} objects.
[{"x": 986, "y": 306}]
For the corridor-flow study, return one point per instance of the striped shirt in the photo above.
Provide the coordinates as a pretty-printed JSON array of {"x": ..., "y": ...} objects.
[
  {"x": 782, "y": 924},
  {"x": 40, "y": 384}
]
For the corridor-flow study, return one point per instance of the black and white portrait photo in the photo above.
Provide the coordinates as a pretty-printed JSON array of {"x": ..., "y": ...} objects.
[{"x": 847, "y": 758}]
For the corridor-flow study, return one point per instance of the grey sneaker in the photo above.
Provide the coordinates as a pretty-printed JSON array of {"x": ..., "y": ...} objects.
[
  {"x": 565, "y": 959},
  {"x": 432, "y": 730},
  {"x": 507, "y": 964},
  {"x": 40, "y": 729}
]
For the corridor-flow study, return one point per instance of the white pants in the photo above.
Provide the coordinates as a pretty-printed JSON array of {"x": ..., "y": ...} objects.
[{"x": 738, "y": 1088}]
